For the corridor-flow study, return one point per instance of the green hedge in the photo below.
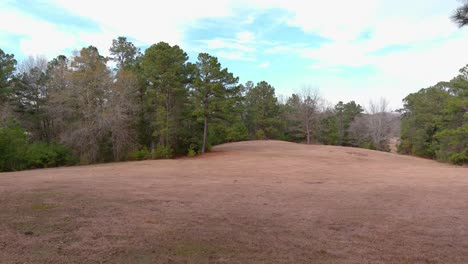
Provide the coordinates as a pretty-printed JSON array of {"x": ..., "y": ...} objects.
[
  {"x": 13, "y": 147},
  {"x": 17, "y": 154}
]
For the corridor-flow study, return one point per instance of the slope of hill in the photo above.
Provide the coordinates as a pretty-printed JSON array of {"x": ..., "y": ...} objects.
[{"x": 246, "y": 202}]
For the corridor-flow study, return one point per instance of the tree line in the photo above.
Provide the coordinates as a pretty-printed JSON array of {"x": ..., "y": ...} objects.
[
  {"x": 157, "y": 104},
  {"x": 435, "y": 121}
]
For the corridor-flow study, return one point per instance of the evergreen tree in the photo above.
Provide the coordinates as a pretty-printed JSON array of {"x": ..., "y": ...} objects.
[
  {"x": 166, "y": 75},
  {"x": 7, "y": 71},
  {"x": 262, "y": 111},
  {"x": 212, "y": 91}
]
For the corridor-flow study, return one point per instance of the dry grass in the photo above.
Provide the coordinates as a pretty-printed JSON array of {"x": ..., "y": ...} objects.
[{"x": 249, "y": 202}]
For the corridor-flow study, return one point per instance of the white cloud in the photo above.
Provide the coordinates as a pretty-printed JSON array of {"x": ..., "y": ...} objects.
[
  {"x": 264, "y": 65},
  {"x": 234, "y": 55},
  {"x": 245, "y": 37},
  {"x": 335, "y": 20},
  {"x": 148, "y": 23},
  {"x": 250, "y": 19},
  {"x": 241, "y": 47},
  {"x": 37, "y": 37},
  {"x": 436, "y": 43},
  {"x": 220, "y": 43},
  {"x": 279, "y": 49}
]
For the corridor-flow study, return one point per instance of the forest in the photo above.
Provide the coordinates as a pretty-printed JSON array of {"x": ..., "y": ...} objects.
[{"x": 133, "y": 105}]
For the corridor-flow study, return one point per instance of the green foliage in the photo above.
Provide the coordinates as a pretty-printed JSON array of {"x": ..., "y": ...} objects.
[
  {"x": 368, "y": 144},
  {"x": 452, "y": 145},
  {"x": 43, "y": 155},
  {"x": 213, "y": 93},
  {"x": 7, "y": 69},
  {"x": 13, "y": 147},
  {"x": 141, "y": 154},
  {"x": 124, "y": 53},
  {"x": 160, "y": 99},
  {"x": 345, "y": 115},
  {"x": 191, "y": 152},
  {"x": 434, "y": 122},
  {"x": 237, "y": 132},
  {"x": 262, "y": 111},
  {"x": 328, "y": 132},
  {"x": 260, "y": 134},
  {"x": 17, "y": 154},
  {"x": 162, "y": 152},
  {"x": 334, "y": 126},
  {"x": 165, "y": 75},
  {"x": 28, "y": 99},
  {"x": 458, "y": 158}
]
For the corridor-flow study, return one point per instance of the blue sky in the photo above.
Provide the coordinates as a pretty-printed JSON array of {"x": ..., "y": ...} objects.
[{"x": 355, "y": 50}]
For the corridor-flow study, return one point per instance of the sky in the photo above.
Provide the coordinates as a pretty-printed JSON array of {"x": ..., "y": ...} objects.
[{"x": 357, "y": 50}]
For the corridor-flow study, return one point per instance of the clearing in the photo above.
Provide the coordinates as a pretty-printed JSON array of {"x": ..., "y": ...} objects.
[{"x": 247, "y": 202}]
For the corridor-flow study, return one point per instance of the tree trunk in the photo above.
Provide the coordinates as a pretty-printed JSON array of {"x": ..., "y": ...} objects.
[
  {"x": 205, "y": 132},
  {"x": 167, "y": 120},
  {"x": 308, "y": 134}
]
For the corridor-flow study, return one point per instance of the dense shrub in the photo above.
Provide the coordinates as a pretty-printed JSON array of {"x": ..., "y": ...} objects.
[
  {"x": 434, "y": 123},
  {"x": 13, "y": 147},
  {"x": 42, "y": 155},
  {"x": 17, "y": 154},
  {"x": 191, "y": 152},
  {"x": 237, "y": 132},
  {"x": 453, "y": 145},
  {"x": 163, "y": 152},
  {"x": 141, "y": 154}
]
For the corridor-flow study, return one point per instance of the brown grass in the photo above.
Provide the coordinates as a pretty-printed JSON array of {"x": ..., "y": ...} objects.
[{"x": 248, "y": 202}]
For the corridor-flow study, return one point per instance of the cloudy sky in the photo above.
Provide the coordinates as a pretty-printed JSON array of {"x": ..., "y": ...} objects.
[{"x": 349, "y": 50}]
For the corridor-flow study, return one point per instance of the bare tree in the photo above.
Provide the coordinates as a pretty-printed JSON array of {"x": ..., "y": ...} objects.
[
  {"x": 377, "y": 126},
  {"x": 38, "y": 62},
  {"x": 80, "y": 94},
  {"x": 120, "y": 113},
  {"x": 308, "y": 107},
  {"x": 93, "y": 111},
  {"x": 5, "y": 113},
  {"x": 59, "y": 95},
  {"x": 378, "y": 121}
]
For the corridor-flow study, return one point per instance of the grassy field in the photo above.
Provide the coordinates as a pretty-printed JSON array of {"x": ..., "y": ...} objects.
[{"x": 247, "y": 202}]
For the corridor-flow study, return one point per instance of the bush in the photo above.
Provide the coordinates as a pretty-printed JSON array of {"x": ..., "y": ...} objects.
[
  {"x": 141, "y": 154},
  {"x": 13, "y": 146},
  {"x": 260, "y": 134},
  {"x": 162, "y": 152},
  {"x": 191, "y": 152},
  {"x": 237, "y": 132},
  {"x": 42, "y": 155},
  {"x": 368, "y": 144},
  {"x": 458, "y": 158},
  {"x": 452, "y": 145}
]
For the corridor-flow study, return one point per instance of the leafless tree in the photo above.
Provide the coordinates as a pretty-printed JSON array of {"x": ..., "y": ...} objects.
[
  {"x": 378, "y": 125},
  {"x": 93, "y": 111},
  {"x": 5, "y": 113},
  {"x": 308, "y": 108},
  {"x": 80, "y": 90},
  {"x": 378, "y": 121},
  {"x": 60, "y": 96},
  {"x": 38, "y": 62},
  {"x": 121, "y": 113}
]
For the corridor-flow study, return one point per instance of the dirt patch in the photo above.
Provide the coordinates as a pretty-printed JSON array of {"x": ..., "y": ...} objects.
[{"x": 248, "y": 202}]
